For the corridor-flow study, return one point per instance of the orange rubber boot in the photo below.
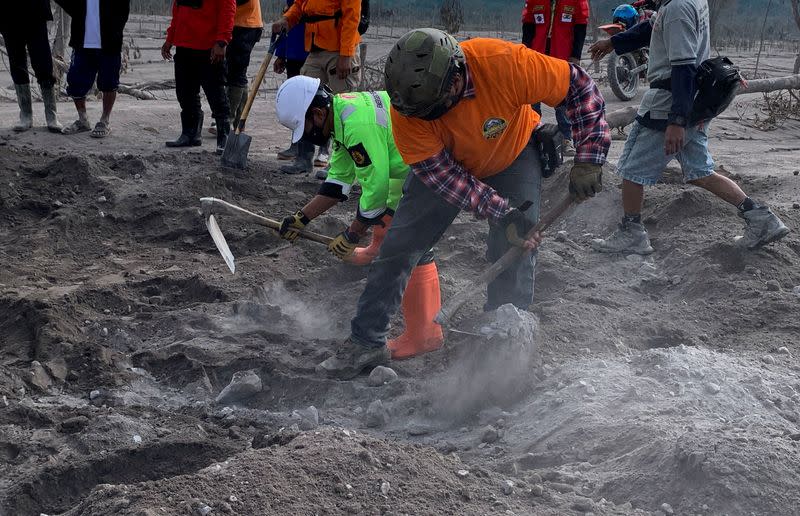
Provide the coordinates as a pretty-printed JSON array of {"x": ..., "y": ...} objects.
[
  {"x": 365, "y": 255},
  {"x": 421, "y": 301}
]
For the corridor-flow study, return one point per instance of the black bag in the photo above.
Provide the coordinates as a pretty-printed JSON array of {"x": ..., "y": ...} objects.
[
  {"x": 717, "y": 81},
  {"x": 549, "y": 141}
]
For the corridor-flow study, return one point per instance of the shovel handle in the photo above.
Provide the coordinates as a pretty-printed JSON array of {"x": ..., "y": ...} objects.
[
  {"x": 455, "y": 303},
  {"x": 211, "y": 205},
  {"x": 256, "y": 84}
]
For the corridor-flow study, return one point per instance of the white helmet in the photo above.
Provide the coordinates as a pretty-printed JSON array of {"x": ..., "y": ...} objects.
[{"x": 293, "y": 100}]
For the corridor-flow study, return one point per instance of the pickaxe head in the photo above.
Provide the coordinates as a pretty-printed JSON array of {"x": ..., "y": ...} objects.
[{"x": 207, "y": 208}]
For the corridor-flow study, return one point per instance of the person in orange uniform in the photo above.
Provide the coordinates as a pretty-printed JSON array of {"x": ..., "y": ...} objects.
[
  {"x": 331, "y": 38},
  {"x": 462, "y": 120},
  {"x": 556, "y": 28}
]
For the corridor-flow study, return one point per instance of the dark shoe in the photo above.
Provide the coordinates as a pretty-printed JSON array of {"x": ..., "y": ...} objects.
[
  {"x": 629, "y": 238},
  {"x": 223, "y": 130},
  {"x": 322, "y": 174},
  {"x": 287, "y": 154},
  {"x": 763, "y": 227},
  {"x": 303, "y": 163},
  {"x": 190, "y": 124},
  {"x": 351, "y": 358}
]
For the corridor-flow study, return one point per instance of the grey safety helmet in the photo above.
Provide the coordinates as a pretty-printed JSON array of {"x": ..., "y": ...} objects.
[{"x": 419, "y": 72}]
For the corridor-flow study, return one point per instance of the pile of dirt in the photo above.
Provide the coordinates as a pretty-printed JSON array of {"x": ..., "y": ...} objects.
[{"x": 332, "y": 471}]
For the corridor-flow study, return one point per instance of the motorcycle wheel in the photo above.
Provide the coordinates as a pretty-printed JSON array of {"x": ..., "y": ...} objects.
[{"x": 624, "y": 84}]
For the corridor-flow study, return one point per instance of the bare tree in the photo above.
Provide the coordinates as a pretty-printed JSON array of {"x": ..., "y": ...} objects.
[{"x": 452, "y": 15}]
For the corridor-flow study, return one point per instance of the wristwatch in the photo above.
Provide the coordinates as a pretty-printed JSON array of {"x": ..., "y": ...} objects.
[{"x": 679, "y": 120}]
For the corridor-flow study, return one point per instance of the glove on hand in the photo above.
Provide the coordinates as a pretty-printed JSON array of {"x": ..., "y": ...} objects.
[
  {"x": 292, "y": 225},
  {"x": 515, "y": 225},
  {"x": 585, "y": 180},
  {"x": 344, "y": 244}
]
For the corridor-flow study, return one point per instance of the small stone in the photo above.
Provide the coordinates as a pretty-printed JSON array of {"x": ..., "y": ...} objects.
[
  {"x": 507, "y": 486},
  {"x": 796, "y": 291},
  {"x": 768, "y": 359},
  {"x": 712, "y": 388},
  {"x": 462, "y": 473},
  {"x": 796, "y": 205},
  {"x": 537, "y": 490},
  {"x": 243, "y": 385},
  {"x": 102, "y": 198},
  {"x": 490, "y": 435},
  {"x": 94, "y": 394},
  {"x": 381, "y": 375},
  {"x": 233, "y": 499},
  {"x": 58, "y": 204},
  {"x": 104, "y": 332},
  {"x": 73, "y": 424},
  {"x": 137, "y": 438},
  {"x": 155, "y": 300},
  {"x": 137, "y": 176},
  {"x": 667, "y": 509},
  {"x": 783, "y": 350},
  {"x": 385, "y": 487},
  {"x": 704, "y": 506},
  {"x": 796, "y": 172},
  {"x": 203, "y": 510},
  {"x": 635, "y": 258},
  {"x": 561, "y": 488},
  {"x": 583, "y": 504},
  {"x": 773, "y": 286},
  {"x": 39, "y": 376},
  {"x": 590, "y": 390},
  {"x": 417, "y": 430},
  {"x": 376, "y": 415},
  {"x": 308, "y": 418}
]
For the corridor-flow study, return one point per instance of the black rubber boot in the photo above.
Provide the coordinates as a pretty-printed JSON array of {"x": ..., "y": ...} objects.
[
  {"x": 304, "y": 162},
  {"x": 223, "y": 130},
  {"x": 189, "y": 131}
]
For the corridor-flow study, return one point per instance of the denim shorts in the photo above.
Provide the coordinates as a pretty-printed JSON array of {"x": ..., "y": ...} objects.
[
  {"x": 88, "y": 64},
  {"x": 643, "y": 159}
]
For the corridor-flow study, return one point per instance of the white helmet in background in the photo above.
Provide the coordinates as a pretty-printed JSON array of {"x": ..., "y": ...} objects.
[{"x": 294, "y": 98}]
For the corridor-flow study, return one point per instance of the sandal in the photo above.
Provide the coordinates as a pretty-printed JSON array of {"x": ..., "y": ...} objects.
[
  {"x": 101, "y": 130},
  {"x": 78, "y": 126}
]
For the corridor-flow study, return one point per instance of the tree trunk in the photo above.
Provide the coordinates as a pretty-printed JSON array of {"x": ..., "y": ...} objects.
[{"x": 622, "y": 117}]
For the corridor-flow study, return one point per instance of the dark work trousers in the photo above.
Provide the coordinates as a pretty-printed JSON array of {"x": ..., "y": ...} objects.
[
  {"x": 29, "y": 40},
  {"x": 237, "y": 55},
  {"x": 293, "y": 67},
  {"x": 419, "y": 222},
  {"x": 193, "y": 70}
]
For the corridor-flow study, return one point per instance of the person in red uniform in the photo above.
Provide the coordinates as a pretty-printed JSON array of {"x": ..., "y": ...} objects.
[{"x": 556, "y": 28}]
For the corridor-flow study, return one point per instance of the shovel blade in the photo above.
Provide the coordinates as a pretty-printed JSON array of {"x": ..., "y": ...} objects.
[
  {"x": 219, "y": 241},
  {"x": 236, "y": 149}
]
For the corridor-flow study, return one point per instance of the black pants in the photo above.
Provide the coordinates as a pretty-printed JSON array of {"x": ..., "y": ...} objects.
[
  {"x": 237, "y": 56},
  {"x": 30, "y": 40},
  {"x": 293, "y": 67},
  {"x": 194, "y": 70}
]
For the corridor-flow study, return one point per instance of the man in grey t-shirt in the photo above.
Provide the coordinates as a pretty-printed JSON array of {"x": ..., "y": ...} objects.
[{"x": 678, "y": 37}]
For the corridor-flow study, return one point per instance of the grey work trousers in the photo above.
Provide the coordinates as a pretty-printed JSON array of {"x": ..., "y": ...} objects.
[{"x": 420, "y": 221}]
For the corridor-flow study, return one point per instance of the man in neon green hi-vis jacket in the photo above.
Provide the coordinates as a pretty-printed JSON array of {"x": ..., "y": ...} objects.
[{"x": 364, "y": 151}]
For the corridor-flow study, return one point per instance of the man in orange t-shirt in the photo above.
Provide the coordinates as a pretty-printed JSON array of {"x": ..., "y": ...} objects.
[{"x": 462, "y": 120}]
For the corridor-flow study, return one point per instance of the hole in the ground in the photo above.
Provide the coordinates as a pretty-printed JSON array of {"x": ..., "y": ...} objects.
[
  {"x": 60, "y": 487},
  {"x": 9, "y": 452}
]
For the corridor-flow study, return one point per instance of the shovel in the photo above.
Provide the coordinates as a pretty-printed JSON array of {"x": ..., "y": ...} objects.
[
  {"x": 512, "y": 255},
  {"x": 211, "y": 206},
  {"x": 238, "y": 144}
]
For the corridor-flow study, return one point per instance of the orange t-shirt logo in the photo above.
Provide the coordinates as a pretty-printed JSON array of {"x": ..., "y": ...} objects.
[{"x": 493, "y": 127}]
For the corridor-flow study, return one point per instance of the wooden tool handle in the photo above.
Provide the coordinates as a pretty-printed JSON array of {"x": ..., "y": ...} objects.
[
  {"x": 510, "y": 257},
  {"x": 256, "y": 84},
  {"x": 212, "y": 205}
]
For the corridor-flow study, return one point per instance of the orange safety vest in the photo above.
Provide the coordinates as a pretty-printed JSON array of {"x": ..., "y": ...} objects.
[{"x": 330, "y": 24}]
